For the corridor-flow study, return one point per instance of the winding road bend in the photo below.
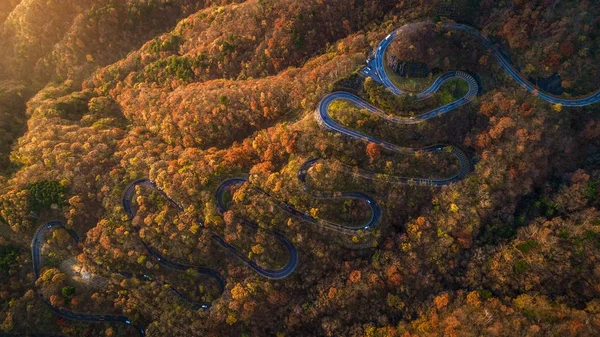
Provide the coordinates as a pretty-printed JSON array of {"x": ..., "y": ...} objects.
[
  {"x": 36, "y": 245},
  {"x": 269, "y": 273},
  {"x": 375, "y": 69},
  {"x": 325, "y": 120}
]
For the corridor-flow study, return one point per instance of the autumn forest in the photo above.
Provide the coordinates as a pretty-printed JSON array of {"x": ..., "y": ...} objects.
[{"x": 360, "y": 168}]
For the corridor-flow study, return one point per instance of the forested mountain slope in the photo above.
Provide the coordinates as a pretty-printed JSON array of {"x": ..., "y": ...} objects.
[{"x": 97, "y": 94}]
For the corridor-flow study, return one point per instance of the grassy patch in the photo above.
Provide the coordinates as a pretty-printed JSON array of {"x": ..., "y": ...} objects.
[
  {"x": 409, "y": 84},
  {"x": 453, "y": 90}
]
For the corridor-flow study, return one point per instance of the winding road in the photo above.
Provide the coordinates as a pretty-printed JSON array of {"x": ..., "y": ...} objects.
[
  {"x": 504, "y": 61},
  {"x": 36, "y": 245},
  {"x": 375, "y": 69},
  {"x": 269, "y": 273},
  {"x": 326, "y": 121},
  {"x": 373, "y": 221}
]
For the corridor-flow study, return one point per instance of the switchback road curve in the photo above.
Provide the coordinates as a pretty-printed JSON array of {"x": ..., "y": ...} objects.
[
  {"x": 504, "y": 61},
  {"x": 377, "y": 71},
  {"x": 36, "y": 245},
  {"x": 269, "y": 273},
  {"x": 325, "y": 120}
]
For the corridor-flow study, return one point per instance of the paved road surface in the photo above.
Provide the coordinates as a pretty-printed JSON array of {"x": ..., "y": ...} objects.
[
  {"x": 269, "y": 273},
  {"x": 36, "y": 245},
  {"x": 376, "y": 70}
]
